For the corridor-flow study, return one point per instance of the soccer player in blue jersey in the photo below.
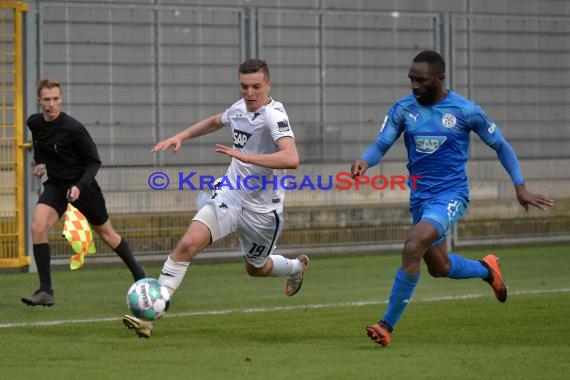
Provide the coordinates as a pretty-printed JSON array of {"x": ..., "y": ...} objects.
[{"x": 436, "y": 123}]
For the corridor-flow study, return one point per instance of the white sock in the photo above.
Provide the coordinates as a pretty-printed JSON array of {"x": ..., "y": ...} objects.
[
  {"x": 283, "y": 266},
  {"x": 172, "y": 274}
]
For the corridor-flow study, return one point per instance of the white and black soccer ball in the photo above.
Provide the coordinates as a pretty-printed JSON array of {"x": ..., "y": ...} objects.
[{"x": 148, "y": 299}]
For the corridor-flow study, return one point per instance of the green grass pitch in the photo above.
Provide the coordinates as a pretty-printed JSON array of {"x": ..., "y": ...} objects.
[{"x": 225, "y": 325}]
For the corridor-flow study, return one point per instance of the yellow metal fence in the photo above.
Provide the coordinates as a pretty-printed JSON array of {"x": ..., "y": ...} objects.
[{"x": 12, "y": 183}]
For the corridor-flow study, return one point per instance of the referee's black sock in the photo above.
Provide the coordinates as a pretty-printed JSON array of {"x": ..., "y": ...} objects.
[
  {"x": 125, "y": 253},
  {"x": 42, "y": 257}
]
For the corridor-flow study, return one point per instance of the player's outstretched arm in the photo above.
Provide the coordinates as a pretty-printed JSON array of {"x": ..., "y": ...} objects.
[
  {"x": 510, "y": 162},
  {"x": 163, "y": 145},
  {"x": 201, "y": 128},
  {"x": 527, "y": 198},
  {"x": 286, "y": 157}
]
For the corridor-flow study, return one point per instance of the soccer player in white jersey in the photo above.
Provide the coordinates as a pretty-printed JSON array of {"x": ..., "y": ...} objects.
[{"x": 263, "y": 148}]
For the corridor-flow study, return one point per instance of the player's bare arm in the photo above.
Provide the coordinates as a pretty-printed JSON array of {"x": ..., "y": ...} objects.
[
  {"x": 286, "y": 158},
  {"x": 358, "y": 167},
  {"x": 201, "y": 128},
  {"x": 527, "y": 198}
]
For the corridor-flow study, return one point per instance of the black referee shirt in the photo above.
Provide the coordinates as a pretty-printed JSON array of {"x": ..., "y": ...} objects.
[{"x": 66, "y": 148}]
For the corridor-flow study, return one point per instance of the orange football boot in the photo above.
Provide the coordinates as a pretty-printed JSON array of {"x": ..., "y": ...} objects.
[
  {"x": 495, "y": 279},
  {"x": 379, "y": 333}
]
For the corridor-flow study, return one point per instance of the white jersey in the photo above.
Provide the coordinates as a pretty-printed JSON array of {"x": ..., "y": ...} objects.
[{"x": 255, "y": 187}]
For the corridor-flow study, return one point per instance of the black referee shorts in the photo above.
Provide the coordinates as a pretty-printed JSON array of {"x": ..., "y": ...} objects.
[{"x": 91, "y": 202}]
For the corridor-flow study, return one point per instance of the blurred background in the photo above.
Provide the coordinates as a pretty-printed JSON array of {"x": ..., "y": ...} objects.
[{"x": 135, "y": 72}]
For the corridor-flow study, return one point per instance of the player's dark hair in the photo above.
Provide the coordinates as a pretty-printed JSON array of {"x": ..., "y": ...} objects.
[
  {"x": 432, "y": 58},
  {"x": 46, "y": 83},
  {"x": 254, "y": 65}
]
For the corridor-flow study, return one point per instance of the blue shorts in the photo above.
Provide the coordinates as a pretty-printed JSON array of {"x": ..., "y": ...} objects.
[{"x": 442, "y": 212}]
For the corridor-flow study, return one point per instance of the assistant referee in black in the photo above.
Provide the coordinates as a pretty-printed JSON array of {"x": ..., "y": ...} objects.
[{"x": 64, "y": 148}]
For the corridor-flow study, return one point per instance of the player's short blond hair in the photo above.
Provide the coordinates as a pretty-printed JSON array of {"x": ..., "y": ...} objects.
[{"x": 46, "y": 83}]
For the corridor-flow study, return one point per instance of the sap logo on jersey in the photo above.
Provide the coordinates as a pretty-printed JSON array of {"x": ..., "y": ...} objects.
[
  {"x": 428, "y": 144},
  {"x": 240, "y": 138}
]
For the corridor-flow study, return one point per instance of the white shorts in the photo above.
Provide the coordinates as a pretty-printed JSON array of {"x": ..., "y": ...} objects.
[{"x": 258, "y": 232}]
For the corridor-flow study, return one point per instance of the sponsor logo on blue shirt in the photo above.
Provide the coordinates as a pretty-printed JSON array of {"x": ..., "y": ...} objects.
[{"x": 428, "y": 144}]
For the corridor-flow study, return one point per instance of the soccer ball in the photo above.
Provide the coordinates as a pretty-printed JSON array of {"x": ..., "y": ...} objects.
[{"x": 148, "y": 299}]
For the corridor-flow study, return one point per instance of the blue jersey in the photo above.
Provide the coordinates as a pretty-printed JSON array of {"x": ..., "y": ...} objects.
[{"x": 437, "y": 141}]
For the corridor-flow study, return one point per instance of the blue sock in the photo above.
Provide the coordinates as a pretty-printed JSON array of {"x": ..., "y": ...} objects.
[
  {"x": 402, "y": 290},
  {"x": 464, "y": 268}
]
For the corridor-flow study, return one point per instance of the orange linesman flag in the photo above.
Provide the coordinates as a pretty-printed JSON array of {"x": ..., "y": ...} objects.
[{"x": 78, "y": 233}]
